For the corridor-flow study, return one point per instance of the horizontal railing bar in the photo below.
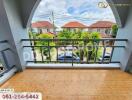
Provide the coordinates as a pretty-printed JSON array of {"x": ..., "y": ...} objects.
[
  {"x": 76, "y": 46},
  {"x": 110, "y": 39},
  {"x": 70, "y": 62}
]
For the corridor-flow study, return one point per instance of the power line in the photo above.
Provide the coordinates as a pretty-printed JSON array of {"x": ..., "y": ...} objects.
[{"x": 62, "y": 16}]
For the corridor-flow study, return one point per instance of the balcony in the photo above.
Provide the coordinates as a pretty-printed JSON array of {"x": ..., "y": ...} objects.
[
  {"x": 87, "y": 77},
  {"x": 97, "y": 54}
]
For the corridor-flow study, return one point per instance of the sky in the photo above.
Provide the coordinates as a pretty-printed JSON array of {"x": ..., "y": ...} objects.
[{"x": 84, "y": 11}]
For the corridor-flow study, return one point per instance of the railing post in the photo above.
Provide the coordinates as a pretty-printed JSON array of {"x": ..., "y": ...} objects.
[
  {"x": 96, "y": 54},
  {"x": 104, "y": 51},
  {"x": 33, "y": 49},
  {"x": 72, "y": 51},
  {"x": 41, "y": 50},
  {"x": 87, "y": 53},
  {"x": 49, "y": 50},
  {"x": 111, "y": 54},
  {"x": 57, "y": 53}
]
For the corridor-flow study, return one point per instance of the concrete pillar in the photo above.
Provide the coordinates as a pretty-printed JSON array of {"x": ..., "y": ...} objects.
[
  {"x": 125, "y": 55},
  {"x": 11, "y": 29}
]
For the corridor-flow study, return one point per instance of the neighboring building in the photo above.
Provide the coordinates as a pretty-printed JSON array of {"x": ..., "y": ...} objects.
[
  {"x": 42, "y": 27},
  {"x": 73, "y": 26},
  {"x": 103, "y": 27}
]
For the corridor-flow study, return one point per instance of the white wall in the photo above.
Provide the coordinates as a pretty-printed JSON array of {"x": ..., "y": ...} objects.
[
  {"x": 44, "y": 30},
  {"x": 100, "y": 30}
]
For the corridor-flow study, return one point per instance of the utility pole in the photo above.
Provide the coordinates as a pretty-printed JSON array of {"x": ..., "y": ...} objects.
[{"x": 53, "y": 22}]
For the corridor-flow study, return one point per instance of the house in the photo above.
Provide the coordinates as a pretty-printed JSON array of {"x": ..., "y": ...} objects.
[
  {"x": 42, "y": 27},
  {"x": 103, "y": 27},
  {"x": 73, "y": 26}
]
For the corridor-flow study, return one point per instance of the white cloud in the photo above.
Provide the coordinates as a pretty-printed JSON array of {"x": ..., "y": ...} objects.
[{"x": 86, "y": 11}]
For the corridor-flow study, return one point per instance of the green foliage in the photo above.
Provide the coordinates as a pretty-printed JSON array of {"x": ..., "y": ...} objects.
[
  {"x": 92, "y": 50},
  {"x": 85, "y": 35},
  {"x": 114, "y": 30},
  {"x": 45, "y": 36},
  {"x": 32, "y": 35},
  {"x": 65, "y": 34},
  {"x": 45, "y": 43},
  {"x": 95, "y": 35},
  {"x": 78, "y": 34}
]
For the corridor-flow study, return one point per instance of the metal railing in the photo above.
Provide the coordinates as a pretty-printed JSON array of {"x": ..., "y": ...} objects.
[{"x": 73, "y": 51}]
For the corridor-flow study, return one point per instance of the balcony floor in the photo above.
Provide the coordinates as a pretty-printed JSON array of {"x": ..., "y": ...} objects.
[{"x": 70, "y": 84}]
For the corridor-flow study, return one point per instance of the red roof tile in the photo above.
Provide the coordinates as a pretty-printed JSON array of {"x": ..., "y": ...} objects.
[
  {"x": 102, "y": 24},
  {"x": 74, "y": 24},
  {"x": 42, "y": 24}
]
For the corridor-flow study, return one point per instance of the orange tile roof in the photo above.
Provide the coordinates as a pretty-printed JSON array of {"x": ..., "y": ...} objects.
[
  {"x": 42, "y": 24},
  {"x": 74, "y": 24},
  {"x": 102, "y": 24}
]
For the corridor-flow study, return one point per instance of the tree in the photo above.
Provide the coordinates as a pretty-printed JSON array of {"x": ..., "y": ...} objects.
[
  {"x": 85, "y": 35},
  {"x": 45, "y": 50},
  {"x": 95, "y": 35},
  {"x": 92, "y": 51},
  {"x": 45, "y": 36},
  {"x": 114, "y": 30},
  {"x": 88, "y": 48},
  {"x": 65, "y": 34}
]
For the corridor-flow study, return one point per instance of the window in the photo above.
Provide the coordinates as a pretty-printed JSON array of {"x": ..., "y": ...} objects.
[
  {"x": 48, "y": 30},
  {"x": 98, "y": 30},
  {"x": 107, "y": 31}
]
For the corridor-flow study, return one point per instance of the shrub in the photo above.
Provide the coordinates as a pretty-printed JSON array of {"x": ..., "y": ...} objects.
[
  {"x": 95, "y": 35},
  {"x": 45, "y": 43},
  {"x": 114, "y": 30}
]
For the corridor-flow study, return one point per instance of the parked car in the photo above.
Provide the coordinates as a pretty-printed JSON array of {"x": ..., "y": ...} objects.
[
  {"x": 106, "y": 58},
  {"x": 70, "y": 48},
  {"x": 68, "y": 57}
]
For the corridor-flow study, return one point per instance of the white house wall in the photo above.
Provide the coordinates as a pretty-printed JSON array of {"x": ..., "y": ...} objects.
[{"x": 100, "y": 30}]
